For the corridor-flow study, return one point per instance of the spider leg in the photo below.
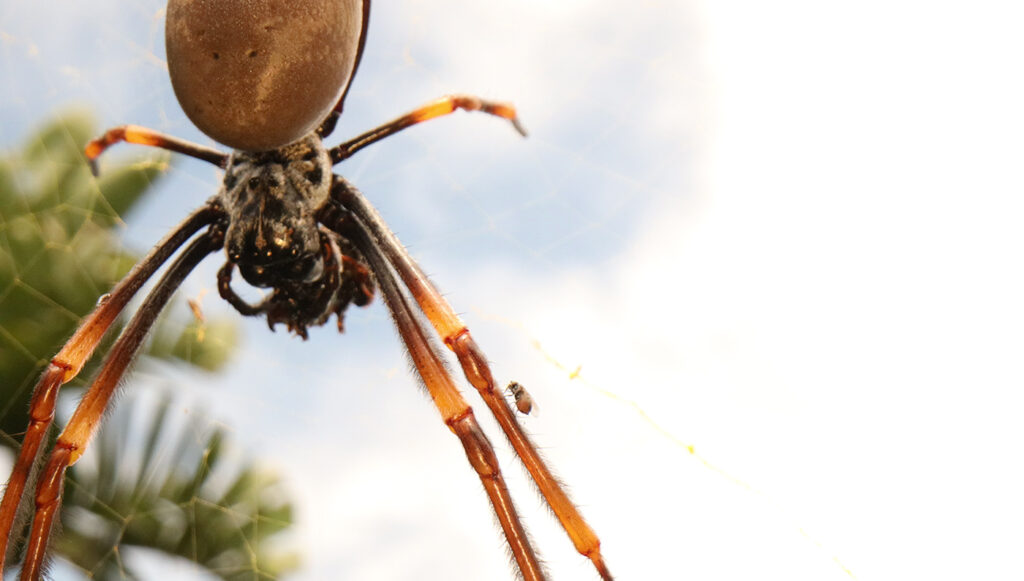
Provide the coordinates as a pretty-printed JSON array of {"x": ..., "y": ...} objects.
[
  {"x": 224, "y": 276},
  {"x": 83, "y": 423},
  {"x": 143, "y": 136},
  {"x": 438, "y": 108},
  {"x": 456, "y": 336},
  {"x": 69, "y": 361},
  {"x": 457, "y": 414}
]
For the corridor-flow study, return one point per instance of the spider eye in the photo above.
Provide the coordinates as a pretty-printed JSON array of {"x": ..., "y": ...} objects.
[{"x": 260, "y": 75}]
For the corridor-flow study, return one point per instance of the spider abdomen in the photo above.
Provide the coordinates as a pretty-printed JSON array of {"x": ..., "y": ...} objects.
[{"x": 256, "y": 75}]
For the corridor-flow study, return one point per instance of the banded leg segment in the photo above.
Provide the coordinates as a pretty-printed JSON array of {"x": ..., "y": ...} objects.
[
  {"x": 438, "y": 108},
  {"x": 69, "y": 361},
  {"x": 474, "y": 365},
  {"x": 143, "y": 136},
  {"x": 456, "y": 413},
  {"x": 76, "y": 435}
]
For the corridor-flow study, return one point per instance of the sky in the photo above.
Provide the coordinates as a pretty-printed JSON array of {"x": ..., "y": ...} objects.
[{"x": 759, "y": 265}]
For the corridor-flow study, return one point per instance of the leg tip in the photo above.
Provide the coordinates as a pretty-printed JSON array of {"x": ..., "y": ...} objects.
[{"x": 519, "y": 126}]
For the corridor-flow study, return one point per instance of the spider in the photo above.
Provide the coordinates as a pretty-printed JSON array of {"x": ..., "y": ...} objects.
[{"x": 287, "y": 223}]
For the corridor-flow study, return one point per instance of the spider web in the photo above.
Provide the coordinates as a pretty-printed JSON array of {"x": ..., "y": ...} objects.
[{"x": 712, "y": 264}]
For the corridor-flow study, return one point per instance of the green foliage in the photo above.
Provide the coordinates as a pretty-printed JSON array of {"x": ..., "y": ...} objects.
[
  {"x": 55, "y": 259},
  {"x": 176, "y": 492},
  {"x": 59, "y": 253}
]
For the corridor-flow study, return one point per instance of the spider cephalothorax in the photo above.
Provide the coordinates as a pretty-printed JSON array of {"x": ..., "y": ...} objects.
[{"x": 271, "y": 200}]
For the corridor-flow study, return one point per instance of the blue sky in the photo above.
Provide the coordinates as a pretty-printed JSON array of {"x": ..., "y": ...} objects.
[{"x": 787, "y": 234}]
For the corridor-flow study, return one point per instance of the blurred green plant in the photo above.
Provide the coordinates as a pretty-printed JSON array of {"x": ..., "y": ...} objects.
[{"x": 59, "y": 253}]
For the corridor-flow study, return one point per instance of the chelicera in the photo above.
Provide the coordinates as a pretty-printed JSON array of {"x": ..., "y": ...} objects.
[{"x": 286, "y": 223}]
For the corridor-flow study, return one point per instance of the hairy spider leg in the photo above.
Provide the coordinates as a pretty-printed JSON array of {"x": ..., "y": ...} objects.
[
  {"x": 443, "y": 106},
  {"x": 455, "y": 411},
  {"x": 68, "y": 362},
  {"x": 438, "y": 108},
  {"x": 143, "y": 136},
  {"x": 456, "y": 336},
  {"x": 76, "y": 435}
]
